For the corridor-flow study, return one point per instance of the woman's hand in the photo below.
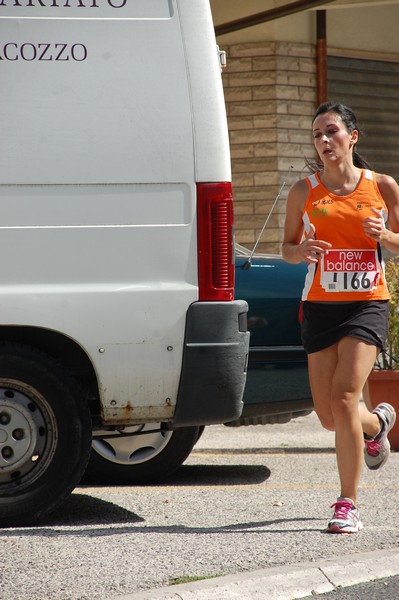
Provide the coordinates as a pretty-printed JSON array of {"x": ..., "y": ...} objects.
[
  {"x": 311, "y": 250},
  {"x": 374, "y": 227}
]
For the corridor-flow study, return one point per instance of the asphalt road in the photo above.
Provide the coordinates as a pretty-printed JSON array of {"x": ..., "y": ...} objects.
[
  {"x": 382, "y": 589},
  {"x": 247, "y": 501}
]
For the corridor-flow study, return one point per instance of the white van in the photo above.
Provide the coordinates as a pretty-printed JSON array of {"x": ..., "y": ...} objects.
[{"x": 119, "y": 333}]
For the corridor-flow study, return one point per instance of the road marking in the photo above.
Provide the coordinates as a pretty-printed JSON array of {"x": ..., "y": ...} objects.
[
  {"x": 262, "y": 451},
  {"x": 187, "y": 486}
]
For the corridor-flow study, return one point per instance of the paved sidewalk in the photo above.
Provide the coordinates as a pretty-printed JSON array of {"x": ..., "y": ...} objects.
[
  {"x": 283, "y": 583},
  {"x": 246, "y": 513},
  {"x": 288, "y": 582}
]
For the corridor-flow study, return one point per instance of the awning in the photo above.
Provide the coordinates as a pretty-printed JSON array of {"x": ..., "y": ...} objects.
[{"x": 290, "y": 8}]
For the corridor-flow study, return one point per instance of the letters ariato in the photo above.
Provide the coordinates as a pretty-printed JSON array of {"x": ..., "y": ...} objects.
[{"x": 62, "y": 3}]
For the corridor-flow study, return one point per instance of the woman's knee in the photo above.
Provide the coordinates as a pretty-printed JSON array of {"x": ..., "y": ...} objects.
[
  {"x": 345, "y": 405},
  {"x": 329, "y": 425},
  {"x": 327, "y": 421}
]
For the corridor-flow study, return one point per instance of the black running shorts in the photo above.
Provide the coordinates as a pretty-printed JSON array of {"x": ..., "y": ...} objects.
[{"x": 325, "y": 323}]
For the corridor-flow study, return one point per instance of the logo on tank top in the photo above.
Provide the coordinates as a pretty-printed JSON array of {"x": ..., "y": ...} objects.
[
  {"x": 319, "y": 212},
  {"x": 323, "y": 201},
  {"x": 360, "y": 206}
]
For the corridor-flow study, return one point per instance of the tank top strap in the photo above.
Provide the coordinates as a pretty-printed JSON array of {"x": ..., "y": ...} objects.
[
  {"x": 313, "y": 182},
  {"x": 370, "y": 181}
]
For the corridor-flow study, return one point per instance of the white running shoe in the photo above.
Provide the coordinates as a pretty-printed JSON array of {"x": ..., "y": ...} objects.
[
  {"x": 377, "y": 450},
  {"x": 346, "y": 517}
]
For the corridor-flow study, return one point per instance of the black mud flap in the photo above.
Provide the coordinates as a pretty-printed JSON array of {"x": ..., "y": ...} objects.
[{"x": 214, "y": 364}]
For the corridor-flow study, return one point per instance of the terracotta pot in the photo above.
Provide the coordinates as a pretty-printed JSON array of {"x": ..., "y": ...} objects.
[{"x": 383, "y": 386}]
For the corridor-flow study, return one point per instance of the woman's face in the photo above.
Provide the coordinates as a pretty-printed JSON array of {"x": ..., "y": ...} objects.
[{"x": 332, "y": 140}]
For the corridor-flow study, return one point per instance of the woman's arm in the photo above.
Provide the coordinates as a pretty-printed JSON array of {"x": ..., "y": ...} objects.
[
  {"x": 293, "y": 249},
  {"x": 374, "y": 227}
]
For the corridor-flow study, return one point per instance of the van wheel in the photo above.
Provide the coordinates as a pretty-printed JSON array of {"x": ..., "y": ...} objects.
[
  {"x": 45, "y": 435},
  {"x": 143, "y": 458}
]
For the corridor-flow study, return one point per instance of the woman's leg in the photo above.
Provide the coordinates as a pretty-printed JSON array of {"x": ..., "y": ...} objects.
[
  {"x": 355, "y": 361},
  {"x": 366, "y": 414},
  {"x": 322, "y": 366},
  {"x": 337, "y": 376}
]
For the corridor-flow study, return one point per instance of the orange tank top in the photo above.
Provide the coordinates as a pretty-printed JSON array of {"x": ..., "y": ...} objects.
[{"x": 353, "y": 269}]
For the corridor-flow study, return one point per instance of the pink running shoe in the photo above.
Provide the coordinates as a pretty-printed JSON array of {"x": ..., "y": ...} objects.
[
  {"x": 377, "y": 450},
  {"x": 346, "y": 517}
]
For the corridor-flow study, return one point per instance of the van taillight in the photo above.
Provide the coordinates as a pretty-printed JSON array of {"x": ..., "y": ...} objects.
[{"x": 215, "y": 241}]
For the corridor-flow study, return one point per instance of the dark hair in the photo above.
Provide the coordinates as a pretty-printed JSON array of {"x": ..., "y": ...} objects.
[{"x": 349, "y": 118}]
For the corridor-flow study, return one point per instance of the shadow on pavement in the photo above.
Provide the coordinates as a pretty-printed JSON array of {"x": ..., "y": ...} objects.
[
  {"x": 188, "y": 475},
  {"x": 78, "y": 510}
]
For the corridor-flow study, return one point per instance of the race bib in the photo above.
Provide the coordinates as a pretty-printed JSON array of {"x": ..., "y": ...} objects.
[{"x": 349, "y": 271}]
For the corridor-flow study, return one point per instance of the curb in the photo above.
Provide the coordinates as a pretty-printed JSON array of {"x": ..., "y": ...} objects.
[{"x": 283, "y": 583}]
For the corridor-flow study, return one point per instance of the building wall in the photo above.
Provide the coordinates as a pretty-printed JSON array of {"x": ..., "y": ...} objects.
[
  {"x": 270, "y": 98},
  {"x": 371, "y": 29},
  {"x": 370, "y": 26},
  {"x": 270, "y": 89}
]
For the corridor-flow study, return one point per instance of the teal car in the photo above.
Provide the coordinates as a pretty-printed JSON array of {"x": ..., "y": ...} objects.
[{"x": 277, "y": 387}]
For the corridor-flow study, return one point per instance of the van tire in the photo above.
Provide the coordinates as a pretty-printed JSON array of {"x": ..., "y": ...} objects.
[
  {"x": 45, "y": 428},
  {"x": 140, "y": 459}
]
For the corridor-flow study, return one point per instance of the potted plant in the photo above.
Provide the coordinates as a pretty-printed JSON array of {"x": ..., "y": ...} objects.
[{"x": 383, "y": 381}]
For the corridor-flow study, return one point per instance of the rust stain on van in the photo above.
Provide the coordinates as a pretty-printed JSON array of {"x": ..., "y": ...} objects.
[{"x": 136, "y": 415}]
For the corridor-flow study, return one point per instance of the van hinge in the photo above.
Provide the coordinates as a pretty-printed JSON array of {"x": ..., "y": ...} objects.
[{"x": 222, "y": 58}]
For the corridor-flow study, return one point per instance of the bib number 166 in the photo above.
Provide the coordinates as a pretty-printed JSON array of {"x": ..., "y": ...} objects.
[
  {"x": 354, "y": 281},
  {"x": 349, "y": 271}
]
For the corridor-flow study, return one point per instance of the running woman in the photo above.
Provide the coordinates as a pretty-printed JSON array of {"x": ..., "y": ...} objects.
[{"x": 337, "y": 220}]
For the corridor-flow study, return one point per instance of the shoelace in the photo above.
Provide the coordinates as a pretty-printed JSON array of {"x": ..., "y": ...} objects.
[
  {"x": 373, "y": 447},
  {"x": 341, "y": 509}
]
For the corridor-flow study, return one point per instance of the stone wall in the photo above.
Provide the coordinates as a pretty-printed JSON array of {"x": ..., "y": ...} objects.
[{"x": 270, "y": 91}]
